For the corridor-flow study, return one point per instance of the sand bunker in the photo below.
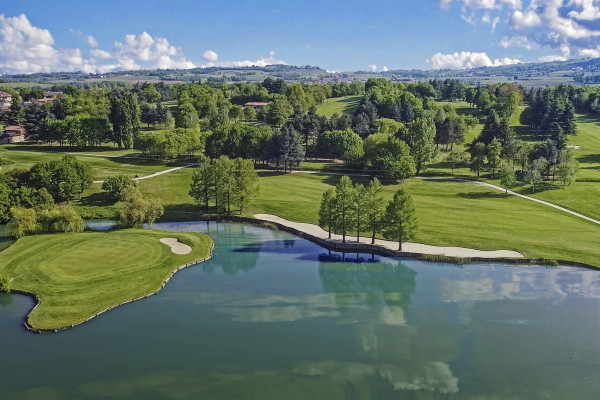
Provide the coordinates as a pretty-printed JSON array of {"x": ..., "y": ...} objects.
[
  {"x": 315, "y": 230},
  {"x": 176, "y": 246}
]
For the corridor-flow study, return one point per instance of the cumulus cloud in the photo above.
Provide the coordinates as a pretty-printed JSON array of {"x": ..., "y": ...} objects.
[
  {"x": 552, "y": 57},
  {"x": 144, "y": 51},
  {"x": 372, "y": 67},
  {"x": 515, "y": 41},
  {"x": 570, "y": 27},
  {"x": 89, "y": 39},
  {"x": 467, "y": 60},
  {"x": 210, "y": 55},
  {"x": 260, "y": 62},
  {"x": 25, "y": 48},
  {"x": 105, "y": 55},
  {"x": 385, "y": 69}
]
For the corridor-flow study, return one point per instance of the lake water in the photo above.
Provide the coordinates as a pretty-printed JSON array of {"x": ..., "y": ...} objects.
[{"x": 272, "y": 316}]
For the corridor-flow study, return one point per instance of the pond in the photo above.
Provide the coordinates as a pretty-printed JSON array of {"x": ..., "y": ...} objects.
[{"x": 272, "y": 316}]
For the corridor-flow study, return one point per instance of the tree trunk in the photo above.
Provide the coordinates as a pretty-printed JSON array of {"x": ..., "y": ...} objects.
[
  {"x": 329, "y": 231},
  {"x": 373, "y": 237},
  {"x": 399, "y": 245}
]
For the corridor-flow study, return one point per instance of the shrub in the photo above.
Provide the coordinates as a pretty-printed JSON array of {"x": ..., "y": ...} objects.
[
  {"x": 115, "y": 185},
  {"x": 4, "y": 284}
]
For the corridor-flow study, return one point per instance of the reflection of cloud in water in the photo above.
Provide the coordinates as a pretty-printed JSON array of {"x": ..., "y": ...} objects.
[
  {"x": 316, "y": 380},
  {"x": 431, "y": 376},
  {"x": 516, "y": 283},
  {"x": 280, "y": 308}
]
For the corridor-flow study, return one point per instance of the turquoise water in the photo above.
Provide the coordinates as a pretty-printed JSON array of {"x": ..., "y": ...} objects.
[{"x": 272, "y": 316}]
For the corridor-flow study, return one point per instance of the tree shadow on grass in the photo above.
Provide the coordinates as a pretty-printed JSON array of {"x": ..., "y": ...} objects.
[
  {"x": 482, "y": 195},
  {"x": 99, "y": 199}
]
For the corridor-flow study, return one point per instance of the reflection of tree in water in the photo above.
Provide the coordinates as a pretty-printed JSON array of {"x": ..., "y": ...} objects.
[
  {"x": 369, "y": 283},
  {"x": 229, "y": 239},
  {"x": 6, "y": 299}
]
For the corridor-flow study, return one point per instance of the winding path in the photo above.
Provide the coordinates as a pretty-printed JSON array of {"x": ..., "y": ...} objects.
[
  {"x": 595, "y": 221},
  {"x": 408, "y": 247},
  {"x": 166, "y": 171}
]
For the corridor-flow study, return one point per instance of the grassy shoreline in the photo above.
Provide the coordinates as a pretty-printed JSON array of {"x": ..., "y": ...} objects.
[{"x": 100, "y": 271}]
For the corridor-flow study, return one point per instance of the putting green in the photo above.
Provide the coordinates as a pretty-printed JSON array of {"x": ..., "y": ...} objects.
[{"x": 76, "y": 276}]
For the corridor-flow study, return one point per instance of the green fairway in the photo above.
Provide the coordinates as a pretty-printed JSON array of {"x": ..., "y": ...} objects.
[
  {"x": 450, "y": 213},
  {"x": 339, "y": 105},
  {"x": 104, "y": 162},
  {"x": 76, "y": 276}
]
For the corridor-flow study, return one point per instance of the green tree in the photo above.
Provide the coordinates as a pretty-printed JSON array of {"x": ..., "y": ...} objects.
[
  {"x": 374, "y": 207},
  {"x": 507, "y": 176},
  {"x": 494, "y": 152},
  {"x": 23, "y": 223},
  {"x": 249, "y": 114},
  {"x": 137, "y": 210},
  {"x": 477, "y": 157},
  {"x": 458, "y": 159},
  {"x": 16, "y": 113},
  {"x": 327, "y": 211},
  {"x": 4, "y": 284},
  {"x": 567, "y": 168},
  {"x": 420, "y": 138},
  {"x": 359, "y": 201},
  {"x": 400, "y": 218},
  {"x": 114, "y": 185},
  {"x": 534, "y": 175},
  {"x": 203, "y": 181},
  {"x": 245, "y": 181},
  {"x": 344, "y": 218}
]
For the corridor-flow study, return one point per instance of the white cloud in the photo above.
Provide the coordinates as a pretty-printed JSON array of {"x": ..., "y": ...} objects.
[
  {"x": 260, "y": 62},
  {"x": 521, "y": 20},
  {"x": 467, "y": 60},
  {"x": 589, "y": 10},
  {"x": 101, "y": 54},
  {"x": 372, "y": 67},
  {"x": 210, "y": 55},
  {"x": 515, "y": 41},
  {"x": 144, "y": 51},
  {"x": 89, "y": 39},
  {"x": 593, "y": 52},
  {"x": 385, "y": 69},
  {"x": 565, "y": 26},
  {"x": 552, "y": 57}
]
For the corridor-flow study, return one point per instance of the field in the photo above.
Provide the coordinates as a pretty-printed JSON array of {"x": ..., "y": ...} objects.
[
  {"x": 105, "y": 162},
  {"x": 92, "y": 272},
  {"x": 339, "y": 105},
  {"x": 450, "y": 213}
]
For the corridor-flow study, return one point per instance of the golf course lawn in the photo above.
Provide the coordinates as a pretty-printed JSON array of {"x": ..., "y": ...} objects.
[
  {"x": 450, "y": 213},
  {"x": 77, "y": 275},
  {"x": 339, "y": 105}
]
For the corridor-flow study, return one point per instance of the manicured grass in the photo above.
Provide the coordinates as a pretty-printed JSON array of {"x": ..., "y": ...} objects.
[
  {"x": 450, "y": 213},
  {"x": 339, "y": 105},
  {"x": 588, "y": 137},
  {"x": 79, "y": 275},
  {"x": 24, "y": 156}
]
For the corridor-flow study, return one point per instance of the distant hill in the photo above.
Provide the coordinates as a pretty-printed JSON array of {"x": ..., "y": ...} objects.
[{"x": 577, "y": 71}]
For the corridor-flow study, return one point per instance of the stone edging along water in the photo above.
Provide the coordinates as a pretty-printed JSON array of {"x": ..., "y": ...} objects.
[
  {"x": 353, "y": 247},
  {"x": 32, "y": 329}
]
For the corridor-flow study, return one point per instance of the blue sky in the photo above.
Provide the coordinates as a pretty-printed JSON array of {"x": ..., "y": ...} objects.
[{"x": 335, "y": 35}]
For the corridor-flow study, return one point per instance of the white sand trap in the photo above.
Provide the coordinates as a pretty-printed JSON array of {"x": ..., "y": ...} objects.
[
  {"x": 315, "y": 230},
  {"x": 574, "y": 147},
  {"x": 176, "y": 246}
]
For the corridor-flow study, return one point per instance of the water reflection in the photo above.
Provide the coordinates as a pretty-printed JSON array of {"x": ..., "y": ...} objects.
[
  {"x": 5, "y": 299},
  {"x": 274, "y": 316}
]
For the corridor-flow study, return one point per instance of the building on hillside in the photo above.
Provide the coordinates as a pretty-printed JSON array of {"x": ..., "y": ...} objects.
[
  {"x": 257, "y": 105},
  {"x": 5, "y": 99},
  {"x": 12, "y": 134}
]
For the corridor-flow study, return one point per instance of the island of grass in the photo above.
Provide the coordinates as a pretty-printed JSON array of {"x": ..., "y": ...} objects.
[{"x": 76, "y": 276}]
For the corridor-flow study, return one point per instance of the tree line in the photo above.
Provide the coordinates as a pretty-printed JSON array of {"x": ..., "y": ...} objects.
[{"x": 358, "y": 208}]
